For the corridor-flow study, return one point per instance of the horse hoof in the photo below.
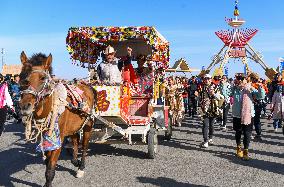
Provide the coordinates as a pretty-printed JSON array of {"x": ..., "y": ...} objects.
[{"x": 80, "y": 173}]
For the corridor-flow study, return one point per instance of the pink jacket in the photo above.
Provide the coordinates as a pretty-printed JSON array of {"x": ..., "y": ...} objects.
[{"x": 5, "y": 98}]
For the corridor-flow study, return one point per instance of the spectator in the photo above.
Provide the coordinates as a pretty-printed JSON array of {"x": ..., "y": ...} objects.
[
  {"x": 15, "y": 90},
  {"x": 243, "y": 113},
  {"x": 258, "y": 100},
  {"x": 185, "y": 94},
  {"x": 210, "y": 97},
  {"x": 225, "y": 89},
  {"x": 192, "y": 96},
  {"x": 277, "y": 108},
  {"x": 5, "y": 102}
]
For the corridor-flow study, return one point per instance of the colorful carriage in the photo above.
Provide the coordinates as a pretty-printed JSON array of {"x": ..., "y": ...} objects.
[{"x": 128, "y": 109}]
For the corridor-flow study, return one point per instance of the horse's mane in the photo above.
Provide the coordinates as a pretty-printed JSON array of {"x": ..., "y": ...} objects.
[{"x": 37, "y": 59}]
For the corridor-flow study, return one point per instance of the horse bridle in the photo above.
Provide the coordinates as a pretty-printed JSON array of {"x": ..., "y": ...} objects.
[{"x": 39, "y": 94}]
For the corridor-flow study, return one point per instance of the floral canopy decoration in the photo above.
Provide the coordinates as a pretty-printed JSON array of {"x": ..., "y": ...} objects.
[{"x": 85, "y": 44}]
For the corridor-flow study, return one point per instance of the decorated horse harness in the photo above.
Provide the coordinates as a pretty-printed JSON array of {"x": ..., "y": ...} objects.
[{"x": 48, "y": 126}]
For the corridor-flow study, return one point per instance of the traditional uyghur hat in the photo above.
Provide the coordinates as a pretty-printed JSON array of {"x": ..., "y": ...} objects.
[{"x": 109, "y": 50}]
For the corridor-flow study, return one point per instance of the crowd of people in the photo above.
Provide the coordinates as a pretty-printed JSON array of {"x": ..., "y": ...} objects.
[{"x": 246, "y": 96}]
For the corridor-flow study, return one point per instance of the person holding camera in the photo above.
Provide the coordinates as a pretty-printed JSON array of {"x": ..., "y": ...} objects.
[{"x": 210, "y": 98}]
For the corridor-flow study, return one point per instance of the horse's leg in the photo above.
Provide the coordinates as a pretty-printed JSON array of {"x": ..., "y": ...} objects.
[
  {"x": 50, "y": 167},
  {"x": 75, "y": 141},
  {"x": 85, "y": 143},
  {"x": 47, "y": 157}
]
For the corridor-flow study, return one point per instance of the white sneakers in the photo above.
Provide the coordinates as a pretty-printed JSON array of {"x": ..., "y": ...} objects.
[{"x": 205, "y": 144}]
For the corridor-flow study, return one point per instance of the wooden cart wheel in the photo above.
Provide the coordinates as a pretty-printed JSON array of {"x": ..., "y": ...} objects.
[
  {"x": 152, "y": 143},
  {"x": 169, "y": 131}
]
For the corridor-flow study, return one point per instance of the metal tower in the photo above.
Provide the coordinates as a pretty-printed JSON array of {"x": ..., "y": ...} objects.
[{"x": 236, "y": 45}]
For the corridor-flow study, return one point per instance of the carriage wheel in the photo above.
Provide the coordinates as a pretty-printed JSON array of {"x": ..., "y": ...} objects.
[
  {"x": 169, "y": 131},
  {"x": 152, "y": 143}
]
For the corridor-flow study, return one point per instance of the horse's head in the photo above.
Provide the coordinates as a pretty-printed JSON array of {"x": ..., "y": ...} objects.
[{"x": 34, "y": 80}]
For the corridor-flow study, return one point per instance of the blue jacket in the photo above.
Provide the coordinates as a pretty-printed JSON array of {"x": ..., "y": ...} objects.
[{"x": 15, "y": 89}]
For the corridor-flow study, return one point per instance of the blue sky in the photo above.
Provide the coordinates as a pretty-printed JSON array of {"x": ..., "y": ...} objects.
[{"x": 189, "y": 26}]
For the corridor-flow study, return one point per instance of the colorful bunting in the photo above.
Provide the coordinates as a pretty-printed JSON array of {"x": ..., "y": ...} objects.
[{"x": 86, "y": 43}]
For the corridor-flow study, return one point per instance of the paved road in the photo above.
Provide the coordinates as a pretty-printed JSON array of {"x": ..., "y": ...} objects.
[{"x": 180, "y": 162}]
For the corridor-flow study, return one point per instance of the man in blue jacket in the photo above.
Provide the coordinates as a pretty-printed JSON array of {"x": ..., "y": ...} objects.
[{"x": 15, "y": 92}]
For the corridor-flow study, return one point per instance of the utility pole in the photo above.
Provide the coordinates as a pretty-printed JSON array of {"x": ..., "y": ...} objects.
[{"x": 2, "y": 52}]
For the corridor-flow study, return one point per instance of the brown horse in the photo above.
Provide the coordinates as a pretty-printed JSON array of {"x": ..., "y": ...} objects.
[{"x": 34, "y": 78}]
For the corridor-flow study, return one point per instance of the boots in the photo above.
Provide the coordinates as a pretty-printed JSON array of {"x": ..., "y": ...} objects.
[
  {"x": 246, "y": 156},
  {"x": 239, "y": 151}
]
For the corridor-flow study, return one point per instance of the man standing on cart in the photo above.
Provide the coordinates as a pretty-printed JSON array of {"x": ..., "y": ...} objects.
[{"x": 109, "y": 69}]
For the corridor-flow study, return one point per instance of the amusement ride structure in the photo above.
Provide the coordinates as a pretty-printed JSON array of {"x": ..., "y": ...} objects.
[{"x": 236, "y": 46}]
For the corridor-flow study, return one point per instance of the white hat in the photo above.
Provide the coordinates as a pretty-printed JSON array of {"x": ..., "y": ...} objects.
[
  {"x": 109, "y": 50},
  {"x": 207, "y": 76}
]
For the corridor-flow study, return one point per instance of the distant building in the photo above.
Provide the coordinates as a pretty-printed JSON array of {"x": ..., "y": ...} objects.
[{"x": 11, "y": 69}]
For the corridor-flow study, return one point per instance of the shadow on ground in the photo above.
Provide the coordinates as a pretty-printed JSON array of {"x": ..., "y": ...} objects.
[
  {"x": 165, "y": 182},
  {"x": 259, "y": 164}
]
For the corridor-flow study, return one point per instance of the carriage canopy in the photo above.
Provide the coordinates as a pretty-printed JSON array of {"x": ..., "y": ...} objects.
[{"x": 85, "y": 44}]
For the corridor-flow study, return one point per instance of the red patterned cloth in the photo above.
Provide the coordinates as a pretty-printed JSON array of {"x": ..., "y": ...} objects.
[{"x": 145, "y": 82}]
